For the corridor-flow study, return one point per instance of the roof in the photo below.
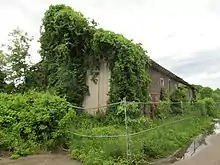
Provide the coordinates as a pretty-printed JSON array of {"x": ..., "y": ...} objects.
[{"x": 163, "y": 70}]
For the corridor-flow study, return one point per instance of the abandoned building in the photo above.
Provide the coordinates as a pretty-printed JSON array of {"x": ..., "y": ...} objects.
[
  {"x": 163, "y": 78},
  {"x": 160, "y": 78}
]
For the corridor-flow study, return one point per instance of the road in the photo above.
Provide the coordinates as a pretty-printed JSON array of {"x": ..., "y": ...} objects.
[
  {"x": 209, "y": 155},
  {"x": 44, "y": 159}
]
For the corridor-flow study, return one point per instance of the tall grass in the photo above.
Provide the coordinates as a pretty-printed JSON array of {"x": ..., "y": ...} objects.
[{"x": 161, "y": 141}]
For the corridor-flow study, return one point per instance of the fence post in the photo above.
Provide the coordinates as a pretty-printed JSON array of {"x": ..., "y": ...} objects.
[
  {"x": 181, "y": 104},
  {"x": 127, "y": 133}
]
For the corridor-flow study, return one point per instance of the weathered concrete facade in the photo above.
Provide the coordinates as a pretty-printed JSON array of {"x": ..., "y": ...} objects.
[
  {"x": 160, "y": 78},
  {"x": 163, "y": 78},
  {"x": 98, "y": 92}
]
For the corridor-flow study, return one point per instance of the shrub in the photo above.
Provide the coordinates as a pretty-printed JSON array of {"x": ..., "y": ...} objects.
[
  {"x": 177, "y": 98},
  {"x": 200, "y": 106},
  {"x": 163, "y": 109},
  {"x": 164, "y": 96},
  {"x": 210, "y": 107},
  {"x": 33, "y": 122}
]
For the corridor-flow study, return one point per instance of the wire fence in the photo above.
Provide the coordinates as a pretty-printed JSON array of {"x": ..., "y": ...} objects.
[{"x": 136, "y": 129}]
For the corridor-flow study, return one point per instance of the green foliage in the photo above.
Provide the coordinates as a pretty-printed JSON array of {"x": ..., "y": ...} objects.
[
  {"x": 164, "y": 109},
  {"x": 65, "y": 38},
  {"x": 177, "y": 97},
  {"x": 164, "y": 94},
  {"x": 2, "y": 81},
  {"x": 157, "y": 143},
  {"x": 200, "y": 104},
  {"x": 216, "y": 95},
  {"x": 36, "y": 77},
  {"x": 205, "y": 92},
  {"x": 162, "y": 142},
  {"x": 2, "y": 73},
  {"x": 128, "y": 64},
  {"x": 93, "y": 151},
  {"x": 16, "y": 58},
  {"x": 210, "y": 107},
  {"x": 71, "y": 45},
  {"x": 33, "y": 122}
]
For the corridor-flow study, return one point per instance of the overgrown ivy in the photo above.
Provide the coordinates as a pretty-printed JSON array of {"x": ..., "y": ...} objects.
[{"x": 71, "y": 45}]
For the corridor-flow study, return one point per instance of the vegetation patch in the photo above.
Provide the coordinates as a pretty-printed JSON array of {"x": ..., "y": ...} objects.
[
  {"x": 71, "y": 45},
  {"x": 145, "y": 147},
  {"x": 33, "y": 122}
]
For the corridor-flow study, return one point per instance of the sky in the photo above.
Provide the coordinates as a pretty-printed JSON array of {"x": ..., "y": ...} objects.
[{"x": 181, "y": 35}]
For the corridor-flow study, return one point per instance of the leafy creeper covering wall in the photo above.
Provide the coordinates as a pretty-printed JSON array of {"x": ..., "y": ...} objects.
[{"x": 71, "y": 45}]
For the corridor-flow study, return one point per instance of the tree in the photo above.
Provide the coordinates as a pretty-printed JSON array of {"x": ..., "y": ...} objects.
[
  {"x": 2, "y": 74},
  {"x": 2, "y": 81},
  {"x": 17, "y": 57},
  {"x": 206, "y": 92},
  {"x": 36, "y": 77},
  {"x": 216, "y": 95}
]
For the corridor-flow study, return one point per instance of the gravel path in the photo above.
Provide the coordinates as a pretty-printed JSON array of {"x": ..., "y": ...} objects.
[
  {"x": 208, "y": 155},
  {"x": 43, "y": 159}
]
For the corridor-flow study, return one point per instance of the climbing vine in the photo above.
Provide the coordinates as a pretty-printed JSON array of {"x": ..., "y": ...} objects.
[{"x": 71, "y": 45}]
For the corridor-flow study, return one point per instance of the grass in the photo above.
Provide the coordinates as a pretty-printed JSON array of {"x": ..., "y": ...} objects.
[
  {"x": 145, "y": 147},
  {"x": 161, "y": 142}
]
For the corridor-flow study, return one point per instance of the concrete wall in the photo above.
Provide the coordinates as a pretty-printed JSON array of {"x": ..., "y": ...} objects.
[{"x": 98, "y": 91}]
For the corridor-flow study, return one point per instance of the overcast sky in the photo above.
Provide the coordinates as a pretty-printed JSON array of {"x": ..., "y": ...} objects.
[{"x": 181, "y": 35}]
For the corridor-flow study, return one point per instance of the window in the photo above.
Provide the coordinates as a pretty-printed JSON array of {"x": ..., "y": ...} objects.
[
  {"x": 161, "y": 82},
  {"x": 169, "y": 84}
]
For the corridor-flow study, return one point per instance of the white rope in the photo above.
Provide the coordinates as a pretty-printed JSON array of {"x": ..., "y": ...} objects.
[
  {"x": 144, "y": 103},
  {"x": 136, "y": 133}
]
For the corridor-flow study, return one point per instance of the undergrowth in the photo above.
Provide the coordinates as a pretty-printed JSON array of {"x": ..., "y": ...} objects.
[
  {"x": 33, "y": 122},
  {"x": 153, "y": 144}
]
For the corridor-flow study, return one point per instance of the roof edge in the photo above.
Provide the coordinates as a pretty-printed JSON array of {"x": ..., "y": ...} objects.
[{"x": 158, "y": 67}]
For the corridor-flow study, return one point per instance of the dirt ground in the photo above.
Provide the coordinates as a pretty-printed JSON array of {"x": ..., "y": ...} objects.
[
  {"x": 208, "y": 155},
  {"x": 43, "y": 159}
]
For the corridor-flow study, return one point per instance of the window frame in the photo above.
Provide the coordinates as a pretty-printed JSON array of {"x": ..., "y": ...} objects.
[
  {"x": 169, "y": 84},
  {"x": 161, "y": 82}
]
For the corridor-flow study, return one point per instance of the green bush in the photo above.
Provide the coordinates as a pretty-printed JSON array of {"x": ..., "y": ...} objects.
[
  {"x": 33, "y": 122},
  {"x": 177, "y": 98},
  {"x": 210, "y": 107},
  {"x": 164, "y": 109},
  {"x": 164, "y": 95},
  {"x": 200, "y": 106}
]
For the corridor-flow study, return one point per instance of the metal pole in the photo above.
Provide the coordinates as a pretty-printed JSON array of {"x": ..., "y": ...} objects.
[{"x": 127, "y": 132}]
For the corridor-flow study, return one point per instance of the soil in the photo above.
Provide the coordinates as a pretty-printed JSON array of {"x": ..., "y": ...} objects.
[{"x": 42, "y": 159}]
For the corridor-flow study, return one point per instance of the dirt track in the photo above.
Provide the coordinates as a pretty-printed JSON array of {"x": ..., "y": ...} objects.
[
  {"x": 44, "y": 159},
  {"x": 209, "y": 155}
]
